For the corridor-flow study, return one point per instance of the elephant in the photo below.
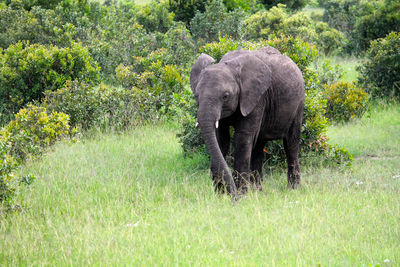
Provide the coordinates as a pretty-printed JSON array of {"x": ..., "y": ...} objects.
[{"x": 261, "y": 95}]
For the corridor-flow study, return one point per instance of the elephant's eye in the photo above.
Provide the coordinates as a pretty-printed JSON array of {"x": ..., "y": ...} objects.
[{"x": 225, "y": 96}]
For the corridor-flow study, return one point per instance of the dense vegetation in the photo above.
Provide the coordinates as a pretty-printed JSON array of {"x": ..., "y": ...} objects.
[
  {"x": 69, "y": 66},
  {"x": 129, "y": 185}
]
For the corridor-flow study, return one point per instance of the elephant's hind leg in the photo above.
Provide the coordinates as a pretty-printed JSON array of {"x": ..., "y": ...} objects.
[{"x": 291, "y": 144}]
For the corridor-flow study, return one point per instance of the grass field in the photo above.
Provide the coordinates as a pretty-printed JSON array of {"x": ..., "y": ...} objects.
[{"x": 132, "y": 199}]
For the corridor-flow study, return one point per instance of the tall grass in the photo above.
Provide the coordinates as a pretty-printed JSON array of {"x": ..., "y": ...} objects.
[{"x": 132, "y": 199}]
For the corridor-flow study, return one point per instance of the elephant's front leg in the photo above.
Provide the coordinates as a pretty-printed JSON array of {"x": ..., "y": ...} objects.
[
  {"x": 243, "y": 149},
  {"x": 223, "y": 138}
]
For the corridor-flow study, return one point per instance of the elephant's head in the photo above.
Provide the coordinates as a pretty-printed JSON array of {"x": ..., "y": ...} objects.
[{"x": 238, "y": 82}]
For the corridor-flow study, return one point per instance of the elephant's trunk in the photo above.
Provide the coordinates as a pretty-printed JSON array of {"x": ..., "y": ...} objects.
[{"x": 219, "y": 167}]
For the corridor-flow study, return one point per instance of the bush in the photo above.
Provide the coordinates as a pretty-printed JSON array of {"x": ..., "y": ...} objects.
[
  {"x": 242, "y": 4},
  {"x": 291, "y": 4},
  {"x": 314, "y": 139},
  {"x": 218, "y": 49},
  {"x": 153, "y": 83},
  {"x": 185, "y": 10},
  {"x": 33, "y": 130},
  {"x": 380, "y": 72},
  {"x": 26, "y": 71},
  {"x": 81, "y": 101},
  {"x": 345, "y": 101},
  {"x": 155, "y": 17},
  {"x": 35, "y": 26},
  {"x": 328, "y": 73},
  {"x": 29, "y": 4},
  {"x": 216, "y": 21},
  {"x": 277, "y": 21},
  {"x": 362, "y": 21}
]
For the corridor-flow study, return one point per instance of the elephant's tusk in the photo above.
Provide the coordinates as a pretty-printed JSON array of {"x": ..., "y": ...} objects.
[
  {"x": 216, "y": 124},
  {"x": 196, "y": 124}
]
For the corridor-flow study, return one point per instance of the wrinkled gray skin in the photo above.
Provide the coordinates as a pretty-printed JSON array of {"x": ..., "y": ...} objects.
[{"x": 259, "y": 93}]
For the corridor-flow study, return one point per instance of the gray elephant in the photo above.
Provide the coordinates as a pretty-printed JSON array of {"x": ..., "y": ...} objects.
[{"x": 261, "y": 95}]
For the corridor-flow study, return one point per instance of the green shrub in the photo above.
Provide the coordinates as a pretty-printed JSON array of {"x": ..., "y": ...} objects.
[
  {"x": 155, "y": 17},
  {"x": 153, "y": 83},
  {"x": 8, "y": 165},
  {"x": 33, "y": 130},
  {"x": 26, "y": 71},
  {"x": 81, "y": 101},
  {"x": 277, "y": 21},
  {"x": 328, "y": 73},
  {"x": 28, "y": 136},
  {"x": 29, "y": 4},
  {"x": 218, "y": 49},
  {"x": 247, "y": 5},
  {"x": 186, "y": 10},
  {"x": 345, "y": 101},
  {"x": 314, "y": 139},
  {"x": 216, "y": 21},
  {"x": 291, "y": 4},
  {"x": 362, "y": 21},
  {"x": 36, "y": 26},
  {"x": 380, "y": 72},
  {"x": 265, "y": 23}
]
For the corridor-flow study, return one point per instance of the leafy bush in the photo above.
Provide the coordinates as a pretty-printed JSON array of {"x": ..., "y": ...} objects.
[
  {"x": 29, "y": 4},
  {"x": 345, "y": 101},
  {"x": 216, "y": 21},
  {"x": 328, "y": 73},
  {"x": 155, "y": 17},
  {"x": 380, "y": 72},
  {"x": 242, "y": 4},
  {"x": 26, "y": 71},
  {"x": 314, "y": 139},
  {"x": 362, "y": 21},
  {"x": 291, "y": 4},
  {"x": 186, "y": 10},
  {"x": 218, "y": 49},
  {"x": 35, "y": 26},
  {"x": 153, "y": 82},
  {"x": 81, "y": 101},
  {"x": 277, "y": 21},
  {"x": 33, "y": 130},
  {"x": 8, "y": 165}
]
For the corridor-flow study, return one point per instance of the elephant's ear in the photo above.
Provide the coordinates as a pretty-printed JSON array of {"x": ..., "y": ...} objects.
[
  {"x": 255, "y": 80},
  {"x": 202, "y": 62}
]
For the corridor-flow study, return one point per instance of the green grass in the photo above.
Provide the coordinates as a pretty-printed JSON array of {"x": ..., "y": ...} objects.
[{"x": 132, "y": 199}]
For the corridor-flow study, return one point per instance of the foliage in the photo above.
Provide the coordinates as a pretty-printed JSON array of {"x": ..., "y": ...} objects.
[
  {"x": 29, "y": 4},
  {"x": 35, "y": 26},
  {"x": 345, "y": 101},
  {"x": 242, "y": 4},
  {"x": 186, "y": 10},
  {"x": 314, "y": 139},
  {"x": 380, "y": 72},
  {"x": 291, "y": 4},
  {"x": 33, "y": 130},
  {"x": 153, "y": 82},
  {"x": 362, "y": 21},
  {"x": 81, "y": 101},
  {"x": 216, "y": 21},
  {"x": 328, "y": 73},
  {"x": 277, "y": 21},
  {"x": 218, "y": 49},
  {"x": 26, "y": 71},
  {"x": 155, "y": 17}
]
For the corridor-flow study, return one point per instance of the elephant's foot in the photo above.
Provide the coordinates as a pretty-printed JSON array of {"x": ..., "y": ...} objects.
[{"x": 294, "y": 181}]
